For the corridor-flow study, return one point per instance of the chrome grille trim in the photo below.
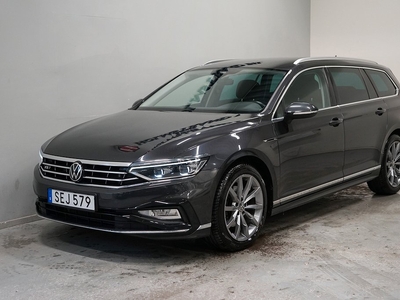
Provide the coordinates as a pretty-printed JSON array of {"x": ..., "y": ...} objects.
[
  {"x": 51, "y": 165},
  {"x": 84, "y": 161},
  {"x": 95, "y": 173}
]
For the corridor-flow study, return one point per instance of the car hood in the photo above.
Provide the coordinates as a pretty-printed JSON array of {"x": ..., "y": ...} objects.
[{"x": 128, "y": 135}]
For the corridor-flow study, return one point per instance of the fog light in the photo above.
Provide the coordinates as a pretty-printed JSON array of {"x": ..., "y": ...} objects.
[{"x": 162, "y": 214}]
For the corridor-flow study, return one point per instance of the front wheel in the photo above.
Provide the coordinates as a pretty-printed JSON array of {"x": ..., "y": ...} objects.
[
  {"x": 239, "y": 209},
  {"x": 388, "y": 181}
]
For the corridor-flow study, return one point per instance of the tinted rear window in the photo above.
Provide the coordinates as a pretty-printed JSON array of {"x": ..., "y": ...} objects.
[
  {"x": 382, "y": 83},
  {"x": 349, "y": 85}
]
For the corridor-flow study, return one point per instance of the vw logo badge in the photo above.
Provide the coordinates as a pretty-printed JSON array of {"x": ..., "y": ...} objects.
[{"x": 75, "y": 171}]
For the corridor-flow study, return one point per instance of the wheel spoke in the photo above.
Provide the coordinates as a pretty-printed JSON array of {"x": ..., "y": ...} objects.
[
  {"x": 247, "y": 188},
  {"x": 245, "y": 227},
  {"x": 392, "y": 177},
  {"x": 252, "y": 219},
  {"x": 237, "y": 228},
  {"x": 230, "y": 208},
  {"x": 234, "y": 195},
  {"x": 232, "y": 220},
  {"x": 254, "y": 206},
  {"x": 253, "y": 194},
  {"x": 390, "y": 153},
  {"x": 240, "y": 188},
  {"x": 396, "y": 149}
]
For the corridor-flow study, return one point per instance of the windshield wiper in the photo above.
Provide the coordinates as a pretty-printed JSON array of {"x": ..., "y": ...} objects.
[{"x": 188, "y": 108}]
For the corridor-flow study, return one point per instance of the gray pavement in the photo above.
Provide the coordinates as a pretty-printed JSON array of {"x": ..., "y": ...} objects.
[{"x": 346, "y": 246}]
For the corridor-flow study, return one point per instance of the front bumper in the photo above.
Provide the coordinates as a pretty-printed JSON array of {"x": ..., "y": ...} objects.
[{"x": 117, "y": 209}]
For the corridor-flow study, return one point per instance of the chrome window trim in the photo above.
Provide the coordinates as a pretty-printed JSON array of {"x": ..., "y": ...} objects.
[
  {"x": 322, "y": 186},
  {"x": 274, "y": 119},
  {"x": 361, "y": 101},
  {"x": 270, "y": 103}
]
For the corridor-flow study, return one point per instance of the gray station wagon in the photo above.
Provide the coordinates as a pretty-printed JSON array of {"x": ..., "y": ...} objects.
[{"x": 219, "y": 148}]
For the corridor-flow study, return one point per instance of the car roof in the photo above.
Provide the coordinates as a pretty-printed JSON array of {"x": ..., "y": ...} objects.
[{"x": 288, "y": 63}]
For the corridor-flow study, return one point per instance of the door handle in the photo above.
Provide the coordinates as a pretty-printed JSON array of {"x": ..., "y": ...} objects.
[
  {"x": 380, "y": 111},
  {"x": 335, "y": 122}
]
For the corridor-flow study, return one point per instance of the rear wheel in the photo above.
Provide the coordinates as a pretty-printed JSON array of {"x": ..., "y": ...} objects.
[
  {"x": 239, "y": 209},
  {"x": 388, "y": 181}
]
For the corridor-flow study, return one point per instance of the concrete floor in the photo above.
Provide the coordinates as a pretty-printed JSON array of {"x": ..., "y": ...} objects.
[{"x": 346, "y": 246}]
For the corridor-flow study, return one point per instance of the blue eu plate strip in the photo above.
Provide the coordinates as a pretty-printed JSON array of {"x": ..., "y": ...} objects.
[{"x": 49, "y": 199}]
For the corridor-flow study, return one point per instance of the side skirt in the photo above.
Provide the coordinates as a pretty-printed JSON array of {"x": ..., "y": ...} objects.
[{"x": 320, "y": 191}]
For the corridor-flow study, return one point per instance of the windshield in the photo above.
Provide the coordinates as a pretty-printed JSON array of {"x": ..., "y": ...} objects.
[{"x": 230, "y": 90}]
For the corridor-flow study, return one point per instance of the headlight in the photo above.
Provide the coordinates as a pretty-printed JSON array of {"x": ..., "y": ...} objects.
[{"x": 168, "y": 169}]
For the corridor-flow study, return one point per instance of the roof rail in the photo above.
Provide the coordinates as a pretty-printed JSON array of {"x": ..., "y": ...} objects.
[
  {"x": 305, "y": 59},
  {"x": 215, "y": 61}
]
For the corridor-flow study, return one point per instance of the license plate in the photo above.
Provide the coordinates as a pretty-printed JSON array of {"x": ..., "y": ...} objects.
[{"x": 74, "y": 200}]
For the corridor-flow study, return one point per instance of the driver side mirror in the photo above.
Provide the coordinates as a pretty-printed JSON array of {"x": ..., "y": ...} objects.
[{"x": 300, "y": 110}]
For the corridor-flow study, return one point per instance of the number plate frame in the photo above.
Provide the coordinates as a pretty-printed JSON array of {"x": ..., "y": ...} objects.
[{"x": 71, "y": 199}]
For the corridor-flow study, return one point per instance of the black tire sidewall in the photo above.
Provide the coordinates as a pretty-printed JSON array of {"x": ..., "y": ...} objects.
[
  {"x": 389, "y": 187},
  {"x": 224, "y": 236}
]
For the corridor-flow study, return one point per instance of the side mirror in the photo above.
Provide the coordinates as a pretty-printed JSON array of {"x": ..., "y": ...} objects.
[
  {"x": 300, "y": 110},
  {"x": 136, "y": 104}
]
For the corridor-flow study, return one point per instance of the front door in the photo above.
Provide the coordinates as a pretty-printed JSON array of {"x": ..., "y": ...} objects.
[{"x": 312, "y": 149}]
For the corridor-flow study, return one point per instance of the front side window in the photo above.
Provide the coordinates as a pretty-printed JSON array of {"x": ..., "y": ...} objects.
[
  {"x": 235, "y": 89},
  {"x": 382, "y": 83},
  {"x": 349, "y": 85},
  {"x": 311, "y": 87}
]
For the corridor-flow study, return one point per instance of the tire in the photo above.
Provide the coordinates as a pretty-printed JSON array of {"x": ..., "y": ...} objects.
[
  {"x": 388, "y": 181},
  {"x": 239, "y": 209}
]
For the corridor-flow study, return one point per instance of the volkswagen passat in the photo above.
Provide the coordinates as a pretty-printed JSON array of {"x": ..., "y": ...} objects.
[{"x": 221, "y": 147}]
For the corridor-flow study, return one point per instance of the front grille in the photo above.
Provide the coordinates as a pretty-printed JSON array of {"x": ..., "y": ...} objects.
[{"x": 96, "y": 174}]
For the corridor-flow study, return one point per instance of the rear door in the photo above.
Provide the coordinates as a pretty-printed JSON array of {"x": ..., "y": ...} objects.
[{"x": 365, "y": 119}]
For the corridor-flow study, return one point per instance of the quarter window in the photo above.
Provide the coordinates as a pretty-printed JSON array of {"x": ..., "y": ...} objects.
[
  {"x": 382, "y": 83},
  {"x": 349, "y": 85}
]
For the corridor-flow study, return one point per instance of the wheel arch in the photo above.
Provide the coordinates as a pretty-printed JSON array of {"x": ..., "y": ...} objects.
[
  {"x": 392, "y": 132},
  {"x": 263, "y": 166}
]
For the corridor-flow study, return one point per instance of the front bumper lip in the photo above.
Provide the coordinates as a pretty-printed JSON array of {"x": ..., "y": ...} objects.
[
  {"x": 200, "y": 231},
  {"x": 134, "y": 232}
]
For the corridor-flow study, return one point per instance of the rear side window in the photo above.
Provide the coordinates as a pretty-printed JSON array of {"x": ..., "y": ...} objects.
[
  {"x": 349, "y": 85},
  {"x": 382, "y": 83}
]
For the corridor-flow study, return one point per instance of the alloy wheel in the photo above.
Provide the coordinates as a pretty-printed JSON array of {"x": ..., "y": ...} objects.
[
  {"x": 393, "y": 164},
  {"x": 243, "y": 207}
]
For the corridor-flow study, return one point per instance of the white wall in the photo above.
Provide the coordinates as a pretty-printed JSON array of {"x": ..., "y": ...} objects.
[
  {"x": 64, "y": 62},
  {"x": 358, "y": 28}
]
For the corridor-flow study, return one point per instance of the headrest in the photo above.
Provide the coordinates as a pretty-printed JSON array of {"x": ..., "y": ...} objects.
[{"x": 244, "y": 87}]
